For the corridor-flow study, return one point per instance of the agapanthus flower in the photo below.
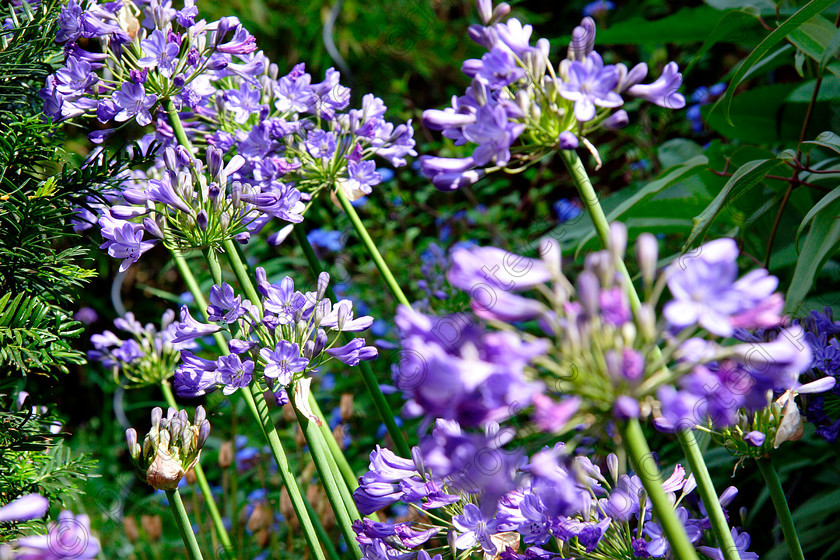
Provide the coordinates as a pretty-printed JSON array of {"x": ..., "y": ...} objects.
[
  {"x": 69, "y": 537},
  {"x": 517, "y": 98}
]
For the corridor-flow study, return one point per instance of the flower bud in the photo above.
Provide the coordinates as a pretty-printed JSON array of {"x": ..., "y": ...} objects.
[
  {"x": 152, "y": 227},
  {"x": 201, "y": 220},
  {"x": 647, "y": 254},
  {"x": 618, "y": 240}
]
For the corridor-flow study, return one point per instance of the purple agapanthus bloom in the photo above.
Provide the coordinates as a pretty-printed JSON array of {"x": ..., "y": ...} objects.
[
  {"x": 124, "y": 240},
  {"x": 134, "y": 103},
  {"x": 188, "y": 328},
  {"x": 244, "y": 102},
  {"x": 68, "y": 538},
  {"x": 474, "y": 529},
  {"x": 706, "y": 292},
  {"x": 75, "y": 77},
  {"x": 493, "y": 133},
  {"x": 663, "y": 91},
  {"x": 497, "y": 69},
  {"x": 234, "y": 373},
  {"x": 591, "y": 84},
  {"x": 320, "y": 144},
  {"x": 161, "y": 53},
  {"x": 283, "y": 300},
  {"x": 742, "y": 542},
  {"x": 242, "y": 42},
  {"x": 294, "y": 94},
  {"x": 353, "y": 352},
  {"x": 25, "y": 508},
  {"x": 225, "y": 305},
  {"x": 283, "y": 361}
]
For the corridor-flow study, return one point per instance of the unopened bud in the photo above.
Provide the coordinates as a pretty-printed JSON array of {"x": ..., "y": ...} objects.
[{"x": 647, "y": 254}]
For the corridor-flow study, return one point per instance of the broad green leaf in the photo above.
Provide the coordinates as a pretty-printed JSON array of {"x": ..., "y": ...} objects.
[
  {"x": 672, "y": 176},
  {"x": 824, "y": 201},
  {"x": 829, "y": 90},
  {"x": 818, "y": 39},
  {"x": 746, "y": 177},
  {"x": 757, "y": 116},
  {"x": 821, "y": 243},
  {"x": 733, "y": 27},
  {"x": 805, "y": 13},
  {"x": 830, "y": 52},
  {"x": 688, "y": 25},
  {"x": 827, "y": 139}
]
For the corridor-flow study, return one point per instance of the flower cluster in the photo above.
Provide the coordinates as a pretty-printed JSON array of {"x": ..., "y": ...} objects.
[
  {"x": 551, "y": 495},
  {"x": 821, "y": 334},
  {"x": 517, "y": 96},
  {"x": 147, "y": 358},
  {"x": 171, "y": 447},
  {"x": 205, "y": 85},
  {"x": 277, "y": 339}
]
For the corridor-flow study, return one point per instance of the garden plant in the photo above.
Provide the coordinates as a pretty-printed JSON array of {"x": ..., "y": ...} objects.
[{"x": 419, "y": 280}]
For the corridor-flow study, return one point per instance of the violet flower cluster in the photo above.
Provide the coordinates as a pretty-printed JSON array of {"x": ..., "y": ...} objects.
[
  {"x": 285, "y": 138},
  {"x": 148, "y": 357},
  {"x": 275, "y": 341},
  {"x": 518, "y": 108},
  {"x": 550, "y": 495}
]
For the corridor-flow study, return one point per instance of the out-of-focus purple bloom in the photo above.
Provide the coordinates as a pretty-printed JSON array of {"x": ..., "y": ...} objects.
[
  {"x": 598, "y": 8},
  {"x": 25, "y": 508},
  {"x": 591, "y": 84},
  {"x": 497, "y": 268},
  {"x": 325, "y": 239},
  {"x": 68, "y": 538},
  {"x": 742, "y": 542}
]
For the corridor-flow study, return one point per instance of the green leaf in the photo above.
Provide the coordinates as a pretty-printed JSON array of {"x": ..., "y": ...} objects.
[
  {"x": 671, "y": 177},
  {"x": 747, "y": 176},
  {"x": 821, "y": 243},
  {"x": 827, "y": 139},
  {"x": 818, "y": 39},
  {"x": 830, "y": 51},
  {"x": 824, "y": 201},
  {"x": 758, "y": 113},
  {"x": 808, "y": 11}
]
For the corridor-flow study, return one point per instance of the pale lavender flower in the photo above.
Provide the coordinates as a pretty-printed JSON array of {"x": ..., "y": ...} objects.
[
  {"x": 283, "y": 361},
  {"x": 493, "y": 133},
  {"x": 134, "y": 103},
  {"x": 68, "y": 538},
  {"x": 161, "y": 53},
  {"x": 663, "y": 91},
  {"x": 25, "y": 508},
  {"x": 591, "y": 84},
  {"x": 234, "y": 373}
]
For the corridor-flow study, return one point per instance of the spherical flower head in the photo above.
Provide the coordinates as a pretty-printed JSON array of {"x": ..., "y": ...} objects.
[
  {"x": 591, "y": 85},
  {"x": 283, "y": 361}
]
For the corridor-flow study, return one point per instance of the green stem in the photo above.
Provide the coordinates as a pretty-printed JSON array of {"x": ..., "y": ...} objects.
[
  {"x": 259, "y": 409},
  {"x": 645, "y": 466},
  {"x": 184, "y": 524},
  {"x": 205, "y": 487},
  {"x": 777, "y": 494},
  {"x": 371, "y": 248},
  {"x": 260, "y": 413},
  {"x": 368, "y": 377},
  {"x": 686, "y": 437},
  {"x": 177, "y": 125},
  {"x": 345, "y": 512},
  {"x": 343, "y": 467},
  {"x": 706, "y": 488}
]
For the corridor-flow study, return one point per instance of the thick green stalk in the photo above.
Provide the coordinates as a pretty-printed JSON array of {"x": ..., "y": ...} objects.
[
  {"x": 341, "y": 502},
  {"x": 371, "y": 248},
  {"x": 205, "y": 487},
  {"x": 645, "y": 466},
  {"x": 261, "y": 415},
  {"x": 345, "y": 513},
  {"x": 177, "y": 125},
  {"x": 322, "y": 533},
  {"x": 341, "y": 463},
  {"x": 256, "y": 404},
  {"x": 777, "y": 494},
  {"x": 686, "y": 437},
  {"x": 184, "y": 525},
  {"x": 369, "y": 378}
]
